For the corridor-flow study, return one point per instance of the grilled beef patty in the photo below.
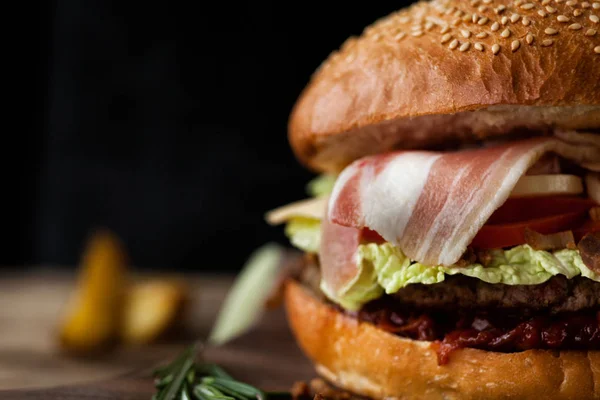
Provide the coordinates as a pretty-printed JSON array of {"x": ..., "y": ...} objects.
[{"x": 557, "y": 295}]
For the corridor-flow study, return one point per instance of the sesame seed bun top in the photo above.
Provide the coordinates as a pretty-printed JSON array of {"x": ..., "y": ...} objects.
[{"x": 451, "y": 72}]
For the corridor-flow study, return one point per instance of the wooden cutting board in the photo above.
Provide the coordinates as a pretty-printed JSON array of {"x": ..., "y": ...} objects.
[{"x": 32, "y": 368}]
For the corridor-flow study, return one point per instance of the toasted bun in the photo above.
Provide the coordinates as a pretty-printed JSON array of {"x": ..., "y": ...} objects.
[
  {"x": 432, "y": 76},
  {"x": 368, "y": 361}
]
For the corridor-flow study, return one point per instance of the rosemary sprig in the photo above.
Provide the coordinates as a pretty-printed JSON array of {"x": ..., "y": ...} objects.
[
  {"x": 170, "y": 379},
  {"x": 186, "y": 379}
]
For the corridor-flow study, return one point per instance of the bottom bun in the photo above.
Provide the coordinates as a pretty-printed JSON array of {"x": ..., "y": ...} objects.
[{"x": 368, "y": 361}]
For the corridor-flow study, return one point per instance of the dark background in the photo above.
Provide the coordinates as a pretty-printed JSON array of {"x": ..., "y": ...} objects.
[{"x": 167, "y": 124}]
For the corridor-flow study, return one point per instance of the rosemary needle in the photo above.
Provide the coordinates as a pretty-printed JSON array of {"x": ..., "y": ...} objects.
[{"x": 186, "y": 380}]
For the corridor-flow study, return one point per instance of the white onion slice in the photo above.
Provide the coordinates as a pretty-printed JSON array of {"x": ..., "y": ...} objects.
[
  {"x": 592, "y": 182},
  {"x": 310, "y": 208},
  {"x": 544, "y": 185}
]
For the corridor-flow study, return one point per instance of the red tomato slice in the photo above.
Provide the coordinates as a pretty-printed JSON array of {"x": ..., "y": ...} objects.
[
  {"x": 513, "y": 234},
  {"x": 532, "y": 208},
  {"x": 370, "y": 236}
]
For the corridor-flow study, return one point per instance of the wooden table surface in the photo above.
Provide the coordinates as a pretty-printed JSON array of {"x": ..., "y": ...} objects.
[{"x": 32, "y": 365}]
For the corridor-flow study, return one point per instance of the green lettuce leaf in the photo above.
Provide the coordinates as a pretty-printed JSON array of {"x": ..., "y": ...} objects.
[
  {"x": 520, "y": 265},
  {"x": 304, "y": 233},
  {"x": 322, "y": 185},
  {"x": 361, "y": 290}
]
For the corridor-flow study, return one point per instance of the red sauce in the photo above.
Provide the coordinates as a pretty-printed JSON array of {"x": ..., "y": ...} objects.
[
  {"x": 488, "y": 330},
  {"x": 575, "y": 331}
]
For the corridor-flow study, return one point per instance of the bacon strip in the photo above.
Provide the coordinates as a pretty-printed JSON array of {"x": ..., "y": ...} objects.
[
  {"x": 432, "y": 204},
  {"x": 589, "y": 248},
  {"x": 336, "y": 256}
]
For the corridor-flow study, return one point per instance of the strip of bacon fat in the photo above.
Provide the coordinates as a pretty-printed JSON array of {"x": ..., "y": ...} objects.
[
  {"x": 339, "y": 269},
  {"x": 432, "y": 204}
]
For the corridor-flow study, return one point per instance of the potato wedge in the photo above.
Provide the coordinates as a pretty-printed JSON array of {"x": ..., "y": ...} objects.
[
  {"x": 151, "y": 308},
  {"x": 93, "y": 313}
]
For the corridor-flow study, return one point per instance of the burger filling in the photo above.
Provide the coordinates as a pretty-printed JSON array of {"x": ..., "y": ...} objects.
[
  {"x": 529, "y": 279},
  {"x": 536, "y": 295},
  {"x": 386, "y": 270}
]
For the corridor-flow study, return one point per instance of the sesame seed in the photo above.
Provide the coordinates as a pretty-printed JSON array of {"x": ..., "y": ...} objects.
[
  {"x": 474, "y": 3},
  {"x": 594, "y": 19},
  {"x": 545, "y": 2},
  {"x": 527, "y": 6},
  {"x": 453, "y": 44},
  {"x": 577, "y": 12},
  {"x": 483, "y": 21},
  {"x": 514, "y": 18},
  {"x": 446, "y": 38},
  {"x": 496, "y": 49},
  {"x": 465, "y": 46},
  {"x": 495, "y": 26},
  {"x": 575, "y": 27},
  {"x": 481, "y": 35},
  {"x": 529, "y": 38},
  {"x": 482, "y": 9},
  {"x": 456, "y": 22},
  {"x": 518, "y": 2},
  {"x": 449, "y": 11},
  {"x": 478, "y": 46},
  {"x": 417, "y": 33},
  {"x": 428, "y": 25},
  {"x": 590, "y": 32},
  {"x": 585, "y": 4},
  {"x": 505, "y": 33},
  {"x": 547, "y": 42},
  {"x": 504, "y": 20},
  {"x": 445, "y": 29},
  {"x": 514, "y": 46},
  {"x": 596, "y": 6},
  {"x": 466, "y": 17},
  {"x": 571, "y": 3},
  {"x": 400, "y": 36},
  {"x": 475, "y": 18},
  {"x": 550, "y": 31},
  {"x": 558, "y": 1},
  {"x": 487, "y": 1},
  {"x": 459, "y": 13},
  {"x": 551, "y": 10},
  {"x": 542, "y": 13},
  {"x": 562, "y": 18},
  {"x": 500, "y": 9},
  {"x": 404, "y": 20},
  {"x": 466, "y": 33},
  {"x": 416, "y": 28},
  {"x": 597, "y": 49},
  {"x": 526, "y": 21}
]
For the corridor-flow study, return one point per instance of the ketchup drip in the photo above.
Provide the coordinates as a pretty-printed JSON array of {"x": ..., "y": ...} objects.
[
  {"x": 487, "y": 330},
  {"x": 561, "y": 332}
]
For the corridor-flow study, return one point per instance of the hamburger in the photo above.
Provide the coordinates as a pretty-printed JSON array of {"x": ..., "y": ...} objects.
[{"x": 452, "y": 234}]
